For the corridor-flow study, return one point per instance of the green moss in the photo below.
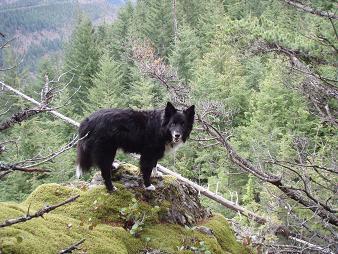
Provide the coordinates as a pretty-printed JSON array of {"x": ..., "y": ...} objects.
[
  {"x": 128, "y": 169},
  {"x": 171, "y": 238},
  {"x": 95, "y": 204},
  {"x": 95, "y": 216},
  {"x": 50, "y": 194},
  {"x": 125, "y": 169},
  {"x": 168, "y": 180},
  {"x": 55, "y": 232},
  {"x": 225, "y": 235}
]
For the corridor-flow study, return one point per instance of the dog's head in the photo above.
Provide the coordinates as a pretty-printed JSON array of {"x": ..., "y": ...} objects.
[{"x": 178, "y": 123}]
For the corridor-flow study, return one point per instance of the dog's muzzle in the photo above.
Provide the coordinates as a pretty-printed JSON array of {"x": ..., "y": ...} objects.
[{"x": 177, "y": 137}]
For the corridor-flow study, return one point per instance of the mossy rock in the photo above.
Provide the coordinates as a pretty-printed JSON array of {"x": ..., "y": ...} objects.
[
  {"x": 95, "y": 216},
  {"x": 179, "y": 202},
  {"x": 95, "y": 205}
]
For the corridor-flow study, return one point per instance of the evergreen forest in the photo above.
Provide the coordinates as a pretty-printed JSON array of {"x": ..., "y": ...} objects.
[{"x": 263, "y": 77}]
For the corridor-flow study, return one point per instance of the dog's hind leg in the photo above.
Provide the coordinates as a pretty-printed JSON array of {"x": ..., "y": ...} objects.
[
  {"x": 84, "y": 161},
  {"x": 147, "y": 166},
  {"x": 104, "y": 160}
]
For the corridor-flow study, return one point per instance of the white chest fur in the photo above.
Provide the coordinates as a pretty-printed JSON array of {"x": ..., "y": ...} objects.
[{"x": 172, "y": 147}]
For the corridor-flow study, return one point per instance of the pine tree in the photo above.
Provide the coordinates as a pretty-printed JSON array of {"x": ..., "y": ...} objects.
[
  {"x": 120, "y": 31},
  {"x": 249, "y": 195},
  {"x": 81, "y": 58},
  {"x": 157, "y": 24},
  {"x": 141, "y": 94},
  {"x": 108, "y": 90},
  {"x": 185, "y": 53}
]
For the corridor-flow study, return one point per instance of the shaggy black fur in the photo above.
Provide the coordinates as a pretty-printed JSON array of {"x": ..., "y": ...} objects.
[{"x": 148, "y": 133}]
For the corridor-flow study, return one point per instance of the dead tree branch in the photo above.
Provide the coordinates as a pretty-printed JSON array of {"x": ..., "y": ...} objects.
[
  {"x": 8, "y": 168},
  {"x": 46, "y": 95},
  {"x": 37, "y": 214},
  {"x": 74, "y": 246},
  {"x": 219, "y": 199},
  {"x": 53, "y": 155},
  {"x": 17, "y": 92},
  {"x": 32, "y": 163},
  {"x": 6, "y": 43},
  {"x": 276, "y": 181},
  {"x": 19, "y": 117},
  {"x": 317, "y": 89},
  {"x": 302, "y": 7}
]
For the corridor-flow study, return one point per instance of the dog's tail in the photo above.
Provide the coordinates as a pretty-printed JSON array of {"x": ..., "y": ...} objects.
[{"x": 84, "y": 160}]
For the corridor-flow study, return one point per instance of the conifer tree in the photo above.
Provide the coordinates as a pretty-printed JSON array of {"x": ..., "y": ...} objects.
[
  {"x": 141, "y": 94},
  {"x": 157, "y": 24},
  {"x": 120, "y": 31},
  {"x": 108, "y": 90},
  {"x": 185, "y": 53},
  {"x": 81, "y": 58}
]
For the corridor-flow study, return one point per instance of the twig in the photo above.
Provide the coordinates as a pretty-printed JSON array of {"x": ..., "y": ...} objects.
[
  {"x": 334, "y": 28},
  {"x": 13, "y": 66},
  {"x": 65, "y": 148},
  {"x": 6, "y": 43},
  {"x": 39, "y": 213},
  {"x": 4, "y": 174},
  {"x": 74, "y": 246}
]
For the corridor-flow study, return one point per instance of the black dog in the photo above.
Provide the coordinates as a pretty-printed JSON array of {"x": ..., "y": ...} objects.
[{"x": 148, "y": 133}]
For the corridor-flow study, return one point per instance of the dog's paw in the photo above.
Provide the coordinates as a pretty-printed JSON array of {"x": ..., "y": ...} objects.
[
  {"x": 113, "y": 190},
  {"x": 150, "y": 187},
  {"x": 115, "y": 164}
]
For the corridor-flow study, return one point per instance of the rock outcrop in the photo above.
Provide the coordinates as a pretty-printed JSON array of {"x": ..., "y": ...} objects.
[
  {"x": 180, "y": 201},
  {"x": 129, "y": 221}
]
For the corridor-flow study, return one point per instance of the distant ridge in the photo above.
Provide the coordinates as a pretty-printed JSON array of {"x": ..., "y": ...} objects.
[{"x": 42, "y": 26}]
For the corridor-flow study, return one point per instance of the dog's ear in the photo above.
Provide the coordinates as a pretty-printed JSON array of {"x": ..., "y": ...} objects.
[
  {"x": 190, "y": 113},
  {"x": 170, "y": 110}
]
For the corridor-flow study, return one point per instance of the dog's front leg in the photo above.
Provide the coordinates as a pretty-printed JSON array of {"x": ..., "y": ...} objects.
[{"x": 147, "y": 165}]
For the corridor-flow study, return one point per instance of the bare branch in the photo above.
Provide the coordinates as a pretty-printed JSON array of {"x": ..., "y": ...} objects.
[
  {"x": 229, "y": 204},
  {"x": 65, "y": 148},
  {"x": 302, "y": 7},
  {"x": 15, "y": 167},
  {"x": 334, "y": 28},
  {"x": 37, "y": 214},
  {"x": 8, "y": 168},
  {"x": 317, "y": 89},
  {"x": 332, "y": 170},
  {"x": 13, "y": 66},
  {"x": 6, "y": 43},
  {"x": 74, "y": 246},
  {"x": 18, "y": 117},
  {"x": 64, "y": 118}
]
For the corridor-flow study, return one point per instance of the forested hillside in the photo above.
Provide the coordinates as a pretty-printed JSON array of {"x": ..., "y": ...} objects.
[
  {"x": 263, "y": 76},
  {"x": 41, "y": 28}
]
